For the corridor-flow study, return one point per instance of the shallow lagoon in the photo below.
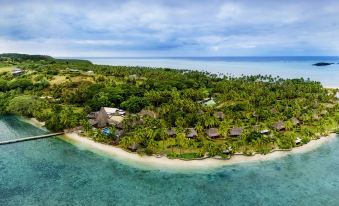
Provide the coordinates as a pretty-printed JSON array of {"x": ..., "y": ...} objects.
[{"x": 54, "y": 172}]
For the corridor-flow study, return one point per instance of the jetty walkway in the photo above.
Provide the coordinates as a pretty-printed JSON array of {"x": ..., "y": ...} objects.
[{"x": 30, "y": 138}]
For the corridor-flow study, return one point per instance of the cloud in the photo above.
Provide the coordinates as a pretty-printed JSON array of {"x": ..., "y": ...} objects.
[{"x": 169, "y": 28}]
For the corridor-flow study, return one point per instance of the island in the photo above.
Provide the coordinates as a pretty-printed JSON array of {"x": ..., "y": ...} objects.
[
  {"x": 321, "y": 64},
  {"x": 180, "y": 114}
]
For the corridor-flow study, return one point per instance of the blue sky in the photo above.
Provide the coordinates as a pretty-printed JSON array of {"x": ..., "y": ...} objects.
[{"x": 170, "y": 28}]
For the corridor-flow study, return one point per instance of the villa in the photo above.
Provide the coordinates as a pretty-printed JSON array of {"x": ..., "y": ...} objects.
[
  {"x": 191, "y": 133},
  {"x": 212, "y": 132},
  {"x": 279, "y": 126},
  {"x": 106, "y": 116},
  {"x": 17, "y": 71},
  {"x": 208, "y": 101},
  {"x": 235, "y": 132}
]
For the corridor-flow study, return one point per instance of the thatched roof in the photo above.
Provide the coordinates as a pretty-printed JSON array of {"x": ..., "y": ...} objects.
[
  {"x": 280, "y": 125},
  {"x": 219, "y": 115},
  {"x": 213, "y": 132},
  {"x": 102, "y": 118},
  {"x": 236, "y": 131},
  {"x": 295, "y": 121},
  {"x": 191, "y": 133},
  {"x": 150, "y": 113},
  {"x": 92, "y": 122},
  {"x": 92, "y": 115},
  {"x": 133, "y": 147},
  {"x": 171, "y": 132}
]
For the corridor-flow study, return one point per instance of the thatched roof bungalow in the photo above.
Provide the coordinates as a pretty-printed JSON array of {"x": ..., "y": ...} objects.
[
  {"x": 102, "y": 118},
  {"x": 171, "y": 132},
  {"x": 92, "y": 122},
  {"x": 213, "y": 132},
  {"x": 236, "y": 131},
  {"x": 220, "y": 115},
  {"x": 133, "y": 147},
  {"x": 191, "y": 133},
  {"x": 295, "y": 121},
  {"x": 92, "y": 115},
  {"x": 280, "y": 125}
]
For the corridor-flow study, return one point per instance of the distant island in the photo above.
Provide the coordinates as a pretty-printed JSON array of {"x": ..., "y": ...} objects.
[
  {"x": 319, "y": 64},
  {"x": 161, "y": 111}
]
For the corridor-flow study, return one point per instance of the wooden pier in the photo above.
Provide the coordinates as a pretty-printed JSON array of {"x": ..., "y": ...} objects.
[{"x": 30, "y": 138}]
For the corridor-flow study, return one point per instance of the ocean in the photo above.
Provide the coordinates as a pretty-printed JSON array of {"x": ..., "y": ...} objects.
[
  {"x": 286, "y": 67},
  {"x": 54, "y": 172}
]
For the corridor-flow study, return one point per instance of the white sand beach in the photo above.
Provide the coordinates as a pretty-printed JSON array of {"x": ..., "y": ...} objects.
[{"x": 165, "y": 163}]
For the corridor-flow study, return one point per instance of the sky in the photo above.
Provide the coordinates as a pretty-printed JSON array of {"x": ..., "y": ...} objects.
[{"x": 149, "y": 28}]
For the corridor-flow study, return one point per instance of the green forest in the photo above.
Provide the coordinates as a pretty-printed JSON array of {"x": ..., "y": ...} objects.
[{"x": 227, "y": 115}]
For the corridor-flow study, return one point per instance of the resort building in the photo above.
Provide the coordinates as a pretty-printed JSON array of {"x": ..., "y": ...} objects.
[
  {"x": 17, "y": 71},
  {"x": 191, "y": 133},
  {"x": 208, "y": 101},
  {"x": 295, "y": 121},
  {"x": 171, "y": 132},
  {"x": 219, "y": 115},
  {"x": 106, "y": 116},
  {"x": 280, "y": 125},
  {"x": 235, "y": 132},
  {"x": 213, "y": 132}
]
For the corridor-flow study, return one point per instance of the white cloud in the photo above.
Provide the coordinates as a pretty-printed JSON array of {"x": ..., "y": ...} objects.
[{"x": 168, "y": 27}]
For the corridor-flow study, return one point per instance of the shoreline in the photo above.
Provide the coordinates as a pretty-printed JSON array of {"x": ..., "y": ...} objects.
[{"x": 163, "y": 163}]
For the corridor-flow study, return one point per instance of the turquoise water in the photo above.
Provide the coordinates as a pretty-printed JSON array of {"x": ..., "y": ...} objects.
[
  {"x": 54, "y": 172},
  {"x": 286, "y": 67}
]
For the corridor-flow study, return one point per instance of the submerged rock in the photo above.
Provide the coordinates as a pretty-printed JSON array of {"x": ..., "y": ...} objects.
[{"x": 319, "y": 64}]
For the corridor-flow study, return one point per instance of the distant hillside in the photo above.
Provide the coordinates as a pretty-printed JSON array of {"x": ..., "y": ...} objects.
[
  {"x": 24, "y": 57},
  {"x": 20, "y": 57}
]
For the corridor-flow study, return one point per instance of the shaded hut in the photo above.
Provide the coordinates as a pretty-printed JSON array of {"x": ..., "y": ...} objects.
[
  {"x": 191, "y": 133},
  {"x": 92, "y": 122},
  {"x": 133, "y": 147},
  {"x": 235, "y": 132},
  {"x": 208, "y": 101},
  {"x": 213, "y": 132},
  {"x": 219, "y": 115},
  {"x": 92, "y": 115},
  {"x": 102, "y": 118},
  {"x": 295, "y": 121},
  {"x": 171, "y": 132},
  {"x": 280, "y": 125}
]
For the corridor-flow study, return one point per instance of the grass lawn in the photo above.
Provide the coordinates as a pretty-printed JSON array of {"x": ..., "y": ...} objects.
[{"x": 6, "y": 69}]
